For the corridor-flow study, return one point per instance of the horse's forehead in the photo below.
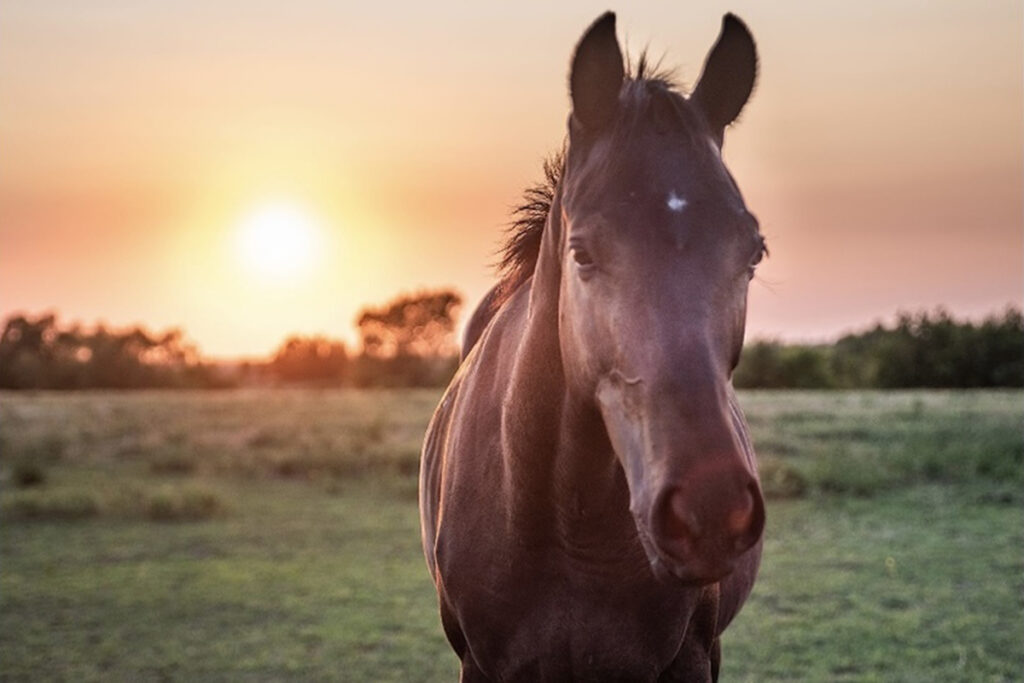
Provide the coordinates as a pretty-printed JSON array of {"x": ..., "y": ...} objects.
[
  {"x": 676, "y": 163},
  {"x": 666, "y": 176}
]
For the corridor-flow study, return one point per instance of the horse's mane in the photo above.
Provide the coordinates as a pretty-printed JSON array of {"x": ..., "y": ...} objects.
[
  {"x": 521, "y": 248},
  {"x": 518, "y": 255}
]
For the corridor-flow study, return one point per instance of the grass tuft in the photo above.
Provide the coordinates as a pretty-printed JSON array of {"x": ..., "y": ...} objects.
[{"x": 182, "y": 504}]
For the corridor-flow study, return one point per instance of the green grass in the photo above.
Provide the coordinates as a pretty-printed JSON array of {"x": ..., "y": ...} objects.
[
  {"x": 917, "y": 585},
  {"x": 864, "y": 443},
  {"x": 274, "y": 536},
  {"x": 299, "y": 586}
]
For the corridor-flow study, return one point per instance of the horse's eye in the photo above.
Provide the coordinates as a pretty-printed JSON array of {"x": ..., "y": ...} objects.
[
  {"x": 762, "y": 251},
  {"x": 582, "y": 257}
]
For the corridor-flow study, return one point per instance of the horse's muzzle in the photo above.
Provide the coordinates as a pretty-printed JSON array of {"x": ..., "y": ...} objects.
[{"x": 700, "y": 527}]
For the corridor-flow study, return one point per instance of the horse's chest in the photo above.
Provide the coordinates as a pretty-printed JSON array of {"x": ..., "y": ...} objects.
[
  {"x": 532, "y": 625},
  {"x": 565, "y": 644}
]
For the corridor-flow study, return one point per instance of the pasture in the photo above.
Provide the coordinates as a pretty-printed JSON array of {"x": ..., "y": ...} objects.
[{"x": 273, "y": 535}]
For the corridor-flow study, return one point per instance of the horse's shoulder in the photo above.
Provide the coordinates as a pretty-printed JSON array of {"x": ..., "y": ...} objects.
[
  {"x": 478, "y": 321},
  {"x": 431, "y": 466},
  {"x": 461, "y": 470}
]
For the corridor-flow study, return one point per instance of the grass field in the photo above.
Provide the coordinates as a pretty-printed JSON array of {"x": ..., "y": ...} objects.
[{"x": 274, "y": 536}]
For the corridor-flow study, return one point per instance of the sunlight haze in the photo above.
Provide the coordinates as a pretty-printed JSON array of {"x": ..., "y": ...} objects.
[
  {"x": 279, "y": 241},
  {"x": 246, "y": 171}
]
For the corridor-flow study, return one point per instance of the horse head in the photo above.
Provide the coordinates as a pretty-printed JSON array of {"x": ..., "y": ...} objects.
[{"x": 656, "y": 252}]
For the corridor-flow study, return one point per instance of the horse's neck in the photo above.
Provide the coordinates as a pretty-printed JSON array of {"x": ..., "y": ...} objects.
[{"x": 561, "y": 470}]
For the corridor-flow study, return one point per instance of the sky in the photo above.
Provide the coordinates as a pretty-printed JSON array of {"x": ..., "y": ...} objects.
[{"x": 152, "y": 154}]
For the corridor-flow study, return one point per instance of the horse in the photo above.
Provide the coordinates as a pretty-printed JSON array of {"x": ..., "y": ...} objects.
[{"x": 589, "y": 498}]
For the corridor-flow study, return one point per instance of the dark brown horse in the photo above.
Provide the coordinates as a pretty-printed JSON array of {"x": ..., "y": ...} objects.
[{"x": 589, "y": 495}]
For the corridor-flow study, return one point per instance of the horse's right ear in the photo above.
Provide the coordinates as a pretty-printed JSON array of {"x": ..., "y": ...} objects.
[
  {"x": 596, "y": 76},
  {"x": 728, "y": 76}
]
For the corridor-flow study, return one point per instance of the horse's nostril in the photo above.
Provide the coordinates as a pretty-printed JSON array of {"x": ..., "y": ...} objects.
[
  {"x": 739, "y": 520},
  {"x": 694, "y": 522},
  {"x": 680, "y": 521},
  {"x": 747, "y": 521}
]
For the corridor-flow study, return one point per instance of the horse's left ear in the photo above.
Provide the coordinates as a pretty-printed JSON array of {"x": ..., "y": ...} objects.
[{"x": 728, "y": 77}]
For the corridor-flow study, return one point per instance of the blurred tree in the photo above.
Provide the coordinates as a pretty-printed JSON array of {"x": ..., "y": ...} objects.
[
  {"x": 421, "y": 324},
  {"x": 1001, "y": 351},
  {"x": 311, "y": 360},
  {"x": 25, "y": 351},
  {"x": 918, "y": 350},
  {"x": 409, "y": 341},
  {"x": 38, "y": 354},
  {"x": 772, "y": 365}
]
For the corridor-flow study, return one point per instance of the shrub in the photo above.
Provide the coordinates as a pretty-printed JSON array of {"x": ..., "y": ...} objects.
[
  {"x": 402, "y": 461},
  {"x": 27, "y": 473},
  {"x": 39, "y": 505},
  {"x": 779, "y": 479},
  {"x": 269, "y": 438},
  {"x": 45, "y": 449},
  {"x": 182, "y": 504},
  {"x": 857, "y": 476},
  {"x": 172, "y": 462}
]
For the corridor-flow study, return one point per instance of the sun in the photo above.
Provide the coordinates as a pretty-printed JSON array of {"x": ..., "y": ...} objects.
[{"x": 278, "y": 240}]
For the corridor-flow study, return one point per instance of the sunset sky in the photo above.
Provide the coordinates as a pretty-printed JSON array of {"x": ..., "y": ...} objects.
[{"x": 151, "y": 154}]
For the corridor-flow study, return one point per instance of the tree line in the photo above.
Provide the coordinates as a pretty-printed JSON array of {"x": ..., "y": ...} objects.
[
  {"x": 39, "y": 353},
  {"x": 410, "y": 341},
  {"x": 407, "y": 342},
  {"x": 919, "y": 350}
]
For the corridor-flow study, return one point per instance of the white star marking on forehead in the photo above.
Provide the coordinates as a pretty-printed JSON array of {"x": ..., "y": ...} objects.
[{"x": 675, "y": 202}]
